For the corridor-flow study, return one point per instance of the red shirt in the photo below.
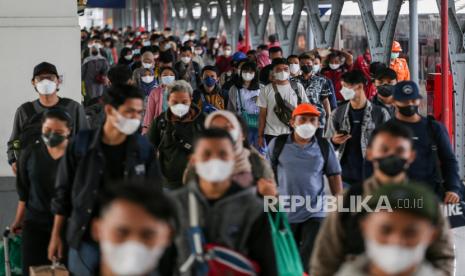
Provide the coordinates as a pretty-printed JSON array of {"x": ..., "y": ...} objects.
[
  {"x": 362, "y": 65},
  {"x": 335, "y": 77},
  {"x": 223, "y": 64}
]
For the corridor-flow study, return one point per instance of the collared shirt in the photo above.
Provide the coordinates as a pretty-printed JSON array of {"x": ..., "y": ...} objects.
[
  {"x": 300, "y": 173},
  {"x": 318, "y": 90}
]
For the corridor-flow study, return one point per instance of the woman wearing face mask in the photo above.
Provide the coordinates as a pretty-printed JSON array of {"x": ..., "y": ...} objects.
[
  {"x": 35, "y": 182},
  {"x": 198, "y": 55},
  {"x": 223, "y": 62},
  {"x": 394, "y": 252},
  {"x": 334, "y": 72},
  {"x": 250, "y": 168},
  {"x": 173, "y": 133},
  {"x": 125, "y": 56},
  {"x": 210, "y": 56},
  {"x": 243, "y": 100},
  {"x": 157, "y": 101},
  {"x": 94, "y": 71}
]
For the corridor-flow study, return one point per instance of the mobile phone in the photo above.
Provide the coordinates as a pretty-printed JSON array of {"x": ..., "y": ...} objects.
[{"x": 343, "y": 132}]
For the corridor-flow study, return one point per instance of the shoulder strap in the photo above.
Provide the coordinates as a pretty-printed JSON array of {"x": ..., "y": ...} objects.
[
  {"x": 434, "y": 148},
  {"x": 278, "y": 148},
  {"x": 324, "y": 148},
  {"x": 29, "y": 109},
  {"x": 295, "y": 87},
  {"x": 257, "y": 165}
]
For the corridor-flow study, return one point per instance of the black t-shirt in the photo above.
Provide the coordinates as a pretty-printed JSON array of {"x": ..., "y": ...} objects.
[
  {"x": 352, "y": 161},
  {"x": 36, "y": 183},
  {"x": 115, "y": 161}
]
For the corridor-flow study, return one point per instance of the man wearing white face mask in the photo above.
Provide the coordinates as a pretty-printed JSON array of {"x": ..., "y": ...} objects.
[
  {"x": 27, "y": 122},
  {"x": 93, "y": 162},
  {"x": 188, "y": 69},
  {"x": 147, "y": 218},
  {"x": 394, "y": 252},
  {"x": 230, "y": 215},
  {"x": 173, "y": 133},
  {"x": 351, "y": 124},
  {"x": 148, "y": 62},
  {"x": 299, "y": 161},
  {"x": 276, "y": 102}
]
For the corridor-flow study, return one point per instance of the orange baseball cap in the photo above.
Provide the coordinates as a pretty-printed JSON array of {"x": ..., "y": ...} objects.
[{"x": 305, "y": 109}]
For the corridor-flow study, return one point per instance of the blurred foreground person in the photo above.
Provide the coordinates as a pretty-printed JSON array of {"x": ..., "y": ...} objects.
[
  {"x": 391, "y": 151},
  {"x": 396, "y": 241},
  {"x": 135, "y": 226}
]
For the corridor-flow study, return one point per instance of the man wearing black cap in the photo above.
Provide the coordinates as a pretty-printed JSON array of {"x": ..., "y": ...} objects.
[
  {"x": 435, "y": 164},
  {"x": 27, "y": 122},
  {"x": 385, "y": 80}
]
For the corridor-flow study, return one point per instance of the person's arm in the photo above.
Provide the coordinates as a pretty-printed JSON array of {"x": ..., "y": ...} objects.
[
  {"x": 449, "y": 166},
  {"x": 154, "y": 133},
  {"x": 327, "y": 107},
  {"x": 349, "y": 58},
  {"x": 335, "y": 184},
  {"x": 17, "y": 224},
  {"x": 17, "y": 126},
  {"x": 81, "y": 119},
  {"x": 55, "y": 247},
  {"x": 328, "y": 250},
  {"x": 303, "y": 95},
  {"x": 333, "y": 171}
]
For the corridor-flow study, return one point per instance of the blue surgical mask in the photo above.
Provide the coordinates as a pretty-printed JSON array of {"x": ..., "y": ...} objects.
[{"x": 209, "y": 82}]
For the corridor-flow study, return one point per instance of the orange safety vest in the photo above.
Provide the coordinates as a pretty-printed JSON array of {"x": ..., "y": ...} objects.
[{"x": 400, "y": 66}]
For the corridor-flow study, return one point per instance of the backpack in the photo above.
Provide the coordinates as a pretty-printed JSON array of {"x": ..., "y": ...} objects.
[
  {"x": 279, "y": 146},
  {"x": 283, "y": 109},
  {"x": 439, "y": 179},
  {"x": 206, "y": 106},
  {"x": 32, "y": 129},
  {"x": 184, "y": 142}
]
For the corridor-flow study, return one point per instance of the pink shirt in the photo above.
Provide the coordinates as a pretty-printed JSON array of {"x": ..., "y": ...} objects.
[{"x": 154, "y": 107}]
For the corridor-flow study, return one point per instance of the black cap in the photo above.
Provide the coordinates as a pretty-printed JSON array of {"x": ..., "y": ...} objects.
[
  {"x": 45, "y": 67},
  {"x": 406, "y": 90}
]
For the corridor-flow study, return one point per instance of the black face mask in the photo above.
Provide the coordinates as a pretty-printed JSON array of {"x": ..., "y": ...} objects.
[
  {"x": 53, "y": 139},
  {"x": 392, "y": 165},
  {"x": 408, "y": 110},
  {"x": 306, "y": 69},
  {"x": 385, "y": 90}
]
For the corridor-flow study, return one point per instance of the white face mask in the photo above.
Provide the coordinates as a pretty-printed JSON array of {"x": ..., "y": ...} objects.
[
  {"x": 334, "y": 66},
  {"x": 186, "y": 60},
  {"x": 167, "y": 79},
  {"x": 294, "y": 68},
  {"x": 46, "y": 87},
  {"x": 131, "y": 257},
  {"x": 216, "y": 45},
  {"x": 167, "y": 46},
  {"x": 179, "y": 109},
  {"x": 147, "y": 65},
  {"x": 198, "y": 52},
  {"x": 148, "y": 79},
  {"x": 316, "y": 68},
  {"x": 227, "y": 53},
  {"x": 214, "y": 170},
  {"x": 347, "y": 93},
  {"x": 146, "y": 43},
  {"x": 248, "y": 76},
  {"x": 126, "y": 125},
  {"x": 128, "y": 57},
  {"x": 394, "y": 55},
  {"x": 306, "y": 131},
  {"x": 282, "y": 76},
  {"x": 394, "y": 259}
]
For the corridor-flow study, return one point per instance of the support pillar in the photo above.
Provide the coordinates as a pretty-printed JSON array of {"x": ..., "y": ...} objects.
[
  {"x": 28, "y": 23},
  {"x": 457, "y": 65},
  {"x": 258, "y": 21},
  {"x": 287, "y": 31},
  {"x": 232, "y": 23},
  {"x": 380, "y": 40},
  {"x": 413, "y": 40},
  {"x": 324, "y": 34}
]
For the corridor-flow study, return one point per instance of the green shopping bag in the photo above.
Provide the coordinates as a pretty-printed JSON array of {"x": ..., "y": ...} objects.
[
  {"x": 287, "y": 254},
  {"x": 14, "y": 248}
]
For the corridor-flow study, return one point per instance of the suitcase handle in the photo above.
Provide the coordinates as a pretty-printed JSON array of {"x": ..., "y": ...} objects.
[{"x": 7, "y": 232}]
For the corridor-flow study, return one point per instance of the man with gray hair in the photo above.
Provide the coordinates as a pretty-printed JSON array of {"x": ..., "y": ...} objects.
[{"x": 173, "y": 132}]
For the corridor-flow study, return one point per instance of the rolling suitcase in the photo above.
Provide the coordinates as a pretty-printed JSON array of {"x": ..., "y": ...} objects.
[{"x": 11, "y": 248}]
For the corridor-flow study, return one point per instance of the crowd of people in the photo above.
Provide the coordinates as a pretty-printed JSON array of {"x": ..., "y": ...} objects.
[{"x": 180, "y": 137}]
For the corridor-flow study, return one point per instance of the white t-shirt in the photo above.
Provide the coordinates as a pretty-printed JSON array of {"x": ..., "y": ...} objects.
[{"x": 266, "y": 99}]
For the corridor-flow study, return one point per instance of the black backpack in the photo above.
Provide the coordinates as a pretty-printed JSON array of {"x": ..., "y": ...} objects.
[
  {"x": 279, "y": 145},
  {"x": 32, "y": 128}
]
